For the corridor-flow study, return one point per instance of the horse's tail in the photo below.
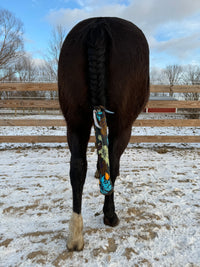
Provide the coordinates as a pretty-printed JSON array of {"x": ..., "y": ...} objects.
[
  {"x": 97, "y": 54},
  {"x": 96, "y": 50}
]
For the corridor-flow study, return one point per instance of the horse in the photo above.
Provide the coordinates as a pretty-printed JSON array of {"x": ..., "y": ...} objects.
[{"x": 103, "y": 80}]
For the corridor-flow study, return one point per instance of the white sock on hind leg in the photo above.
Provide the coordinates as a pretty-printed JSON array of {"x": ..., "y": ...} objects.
[{"x": 75, "y": 239}]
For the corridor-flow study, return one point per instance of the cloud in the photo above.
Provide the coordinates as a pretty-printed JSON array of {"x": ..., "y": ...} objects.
[
  {"x": 28, "y": 40},
  {"x": 170, "y": 26},
  {"x": 38, "y": 62},
  {"x": 69, "y": 17},
  {"x": 34, "y": 2},
  {"x": 181, "y": 47},
  {"x": 149, "y": 15},
  {"x": 179, "y": 39}
]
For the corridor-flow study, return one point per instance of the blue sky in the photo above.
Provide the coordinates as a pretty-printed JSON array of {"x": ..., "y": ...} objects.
[{"x": 172, "y": 27}]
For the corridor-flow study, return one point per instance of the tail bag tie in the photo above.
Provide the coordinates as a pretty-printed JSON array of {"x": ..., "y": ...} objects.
[{"x": 100, "y": 126}]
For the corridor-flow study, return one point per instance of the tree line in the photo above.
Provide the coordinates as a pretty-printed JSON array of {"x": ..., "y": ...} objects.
[
  {"x": 176, "y": 74},
  {"x": 18, "y": 65}
]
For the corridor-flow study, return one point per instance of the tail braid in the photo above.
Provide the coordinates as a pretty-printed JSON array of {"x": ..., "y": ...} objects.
[{"x": 96, "y": 49}]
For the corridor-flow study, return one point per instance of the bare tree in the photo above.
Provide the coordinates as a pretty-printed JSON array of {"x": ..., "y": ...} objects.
[
  {"x": 157, "y": 76},
  {"x": 173, "y": 75},
  {"x": 26, "y": 69},
  {"x": 57, "y": 37},
  {"x": 191, "y": 74},
  {"x": 11, "y": 41}
]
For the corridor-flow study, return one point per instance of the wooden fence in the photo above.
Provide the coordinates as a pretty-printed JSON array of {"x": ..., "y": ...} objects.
[{"x": 53, "y": 104}]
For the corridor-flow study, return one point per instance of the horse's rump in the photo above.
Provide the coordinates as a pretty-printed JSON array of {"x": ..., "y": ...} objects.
[{"x": 127, "y": 72}]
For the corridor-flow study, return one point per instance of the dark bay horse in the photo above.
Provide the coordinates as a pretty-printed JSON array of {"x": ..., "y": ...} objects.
[{"x": 103, "y": 65}]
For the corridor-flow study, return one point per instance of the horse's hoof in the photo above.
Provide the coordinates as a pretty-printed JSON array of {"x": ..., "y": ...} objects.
[
  {"x": 75, "y": 240},
  {"x": 113, "y": 221},
  {"x": 97, "y": 175},
  {"x": 75, "y": 245}
]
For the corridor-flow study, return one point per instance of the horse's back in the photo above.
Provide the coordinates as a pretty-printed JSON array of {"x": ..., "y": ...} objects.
[{"x": 127, "y": 67}]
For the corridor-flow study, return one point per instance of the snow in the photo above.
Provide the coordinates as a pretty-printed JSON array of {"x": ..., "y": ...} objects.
[
  {"x": 61, "y": 131},
  {"x": 157, "y": 198}
]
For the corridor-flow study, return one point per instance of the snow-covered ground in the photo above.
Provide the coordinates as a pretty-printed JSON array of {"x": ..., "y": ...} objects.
[{"x": 157, "y": 200}]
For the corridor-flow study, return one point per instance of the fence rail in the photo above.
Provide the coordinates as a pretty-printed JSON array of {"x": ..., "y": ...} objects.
[
  {"x": 133, "y": 139},
  {"x": 21, "y": 87},
  {"x": 137, "y": 123},
  {"x": 53, "y": 104}
]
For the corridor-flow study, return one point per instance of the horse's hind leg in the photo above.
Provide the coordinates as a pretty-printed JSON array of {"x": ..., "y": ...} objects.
[
  {"x": 117, "y": 144},
  {"x": 77, "y": 140}
]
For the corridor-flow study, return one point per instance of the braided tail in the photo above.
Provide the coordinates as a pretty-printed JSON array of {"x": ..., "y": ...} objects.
[{"x": 97, "y": 44}]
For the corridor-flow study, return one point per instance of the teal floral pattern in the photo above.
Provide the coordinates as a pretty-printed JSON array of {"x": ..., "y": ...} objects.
[{"x": 100, "y": 127}]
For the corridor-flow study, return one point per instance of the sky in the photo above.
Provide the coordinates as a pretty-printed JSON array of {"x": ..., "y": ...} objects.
[{"x": 172, "y": 27}]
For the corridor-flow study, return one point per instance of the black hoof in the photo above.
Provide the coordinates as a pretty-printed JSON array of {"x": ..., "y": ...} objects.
[{"x": 113, "y": 221}]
